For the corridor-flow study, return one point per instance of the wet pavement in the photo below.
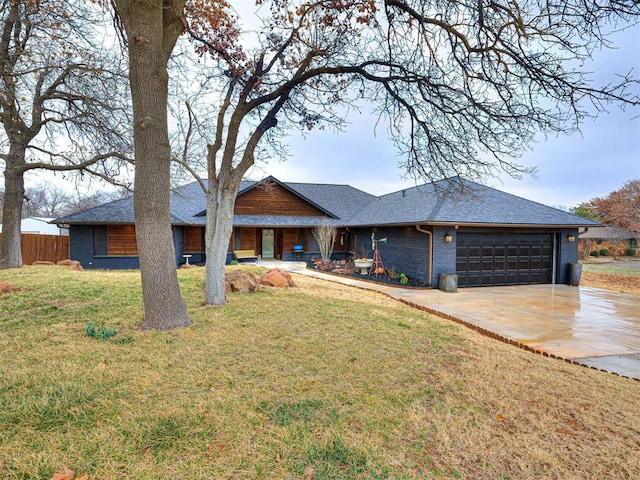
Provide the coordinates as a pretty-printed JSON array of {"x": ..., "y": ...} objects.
[{"x": 589, "y": 326}]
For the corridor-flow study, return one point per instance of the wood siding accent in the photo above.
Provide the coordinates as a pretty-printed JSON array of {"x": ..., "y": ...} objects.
[
  {"x": 122, "y": 240},
  {"x": 274, "y": 200},
  {"x": 290, "y": 237},
  {"x": 341, "y": 243},
  {"x": 193, "y": 239},
  {"x": 43, "y": 248},
  {"x": 248, "y": 239}
]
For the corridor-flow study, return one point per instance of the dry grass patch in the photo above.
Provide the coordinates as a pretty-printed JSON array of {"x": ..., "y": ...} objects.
[
  {"x": 622, "y": 276},
  {"x": 322, "y": 381}
]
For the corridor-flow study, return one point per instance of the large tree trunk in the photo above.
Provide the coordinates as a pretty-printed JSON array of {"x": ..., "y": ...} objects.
[
  {"x": 220, "y": 203},
  {"x": 11, "y": 256},
  {"x": 152, "y": 28}
]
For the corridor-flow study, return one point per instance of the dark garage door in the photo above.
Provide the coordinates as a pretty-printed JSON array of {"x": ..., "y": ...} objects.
[{"x": 484, "y": 259}]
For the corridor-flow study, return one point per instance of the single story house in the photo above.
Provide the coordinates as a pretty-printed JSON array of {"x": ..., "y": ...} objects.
[
  {"x": 486, "y": 236},
  {"x": 601, "y": 235}
]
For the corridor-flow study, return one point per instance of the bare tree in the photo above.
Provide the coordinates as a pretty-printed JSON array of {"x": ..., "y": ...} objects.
[
  {"x": 463, "y": 86},
  {"x": 325, "y": 235},
  {"x": 61, "y": 100},
  {"x": 587, "y": 245},
  {"x": 152, "y": 28},
  {"x": 46, "y": 200},
  {"x": 618, "y": 247}
]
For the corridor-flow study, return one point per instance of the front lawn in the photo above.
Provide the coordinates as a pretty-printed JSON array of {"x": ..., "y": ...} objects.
[
  {"x": 319, "y": 382},
  {"x": 620, "y": 276}
]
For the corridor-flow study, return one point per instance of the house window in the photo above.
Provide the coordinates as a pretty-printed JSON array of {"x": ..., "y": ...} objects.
[
  {"x": 99, "y": 240},
  {"x": 193, "y": 239},
  {"x": 237, "y": 239},
  {"x": 633, "y": 243},
  {"x": 122, "y": 240},
  {"x": 114, "y": 240}
]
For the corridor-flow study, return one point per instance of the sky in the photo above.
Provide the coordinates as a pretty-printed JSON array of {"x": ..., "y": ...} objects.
[{"x": 570, "y": 168}]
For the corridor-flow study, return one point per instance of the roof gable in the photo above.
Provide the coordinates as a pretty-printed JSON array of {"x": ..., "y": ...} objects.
[{"x": 272, "y": 197}]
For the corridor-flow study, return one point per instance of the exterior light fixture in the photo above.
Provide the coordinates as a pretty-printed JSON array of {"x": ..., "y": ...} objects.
[
  {"x": 448, "y": 238},
  {"x": 571, "y": 238}
]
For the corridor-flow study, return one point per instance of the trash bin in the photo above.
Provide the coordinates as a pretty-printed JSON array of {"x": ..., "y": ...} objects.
[
  {"x": 575, "y": 272},
  {"x": 448, "y": 282}
]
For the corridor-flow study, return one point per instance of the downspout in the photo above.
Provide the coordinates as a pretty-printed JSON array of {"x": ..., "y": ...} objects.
[{"x": 420, "y": 229}]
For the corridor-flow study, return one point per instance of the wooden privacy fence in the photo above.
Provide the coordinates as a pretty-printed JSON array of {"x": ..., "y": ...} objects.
[{"x": 49, "y": 248}]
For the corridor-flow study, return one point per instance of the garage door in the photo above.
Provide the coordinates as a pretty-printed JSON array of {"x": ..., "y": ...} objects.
[{"x": 485, "y": 259}]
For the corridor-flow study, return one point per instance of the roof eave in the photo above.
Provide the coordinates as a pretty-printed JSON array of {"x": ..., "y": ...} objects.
[{"x": 503, "y": 225}]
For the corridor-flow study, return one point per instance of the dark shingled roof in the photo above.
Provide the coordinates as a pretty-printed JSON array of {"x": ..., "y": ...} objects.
[
  {"x": 450, "y": 201},
  {"x": 343, "y": 201},
  {"x": 461, "y": 202},
  {"x": 118, "y": 211},
  {"x": 187, "y": 201},
  {"x": 280, "y": 221}
]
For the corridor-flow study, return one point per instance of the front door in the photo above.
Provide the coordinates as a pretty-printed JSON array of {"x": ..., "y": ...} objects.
[{"x": 268, "y": 242}]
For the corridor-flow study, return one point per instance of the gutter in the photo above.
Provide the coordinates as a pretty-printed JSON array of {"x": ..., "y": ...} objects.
[
  {"x": 420, "y": 229},
  {"x": 510, "y": 225}
]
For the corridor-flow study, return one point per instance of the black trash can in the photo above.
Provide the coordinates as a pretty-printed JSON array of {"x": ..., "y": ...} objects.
[{"x": 575, "y": 272}]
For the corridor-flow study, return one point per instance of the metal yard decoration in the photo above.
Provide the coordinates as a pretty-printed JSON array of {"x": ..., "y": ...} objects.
[{"x": 377, "y": 267}]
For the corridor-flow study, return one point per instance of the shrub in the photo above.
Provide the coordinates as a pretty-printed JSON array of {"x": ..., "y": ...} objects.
[
  {"x": 595, "y": 253},
  {"x": 100, "y": 331},
  {"x": 604, "y": 252},
  {"x": 233, "y": 262},
  {"x": 325, "y": 235},
  {"x": 631, "y": 252}
]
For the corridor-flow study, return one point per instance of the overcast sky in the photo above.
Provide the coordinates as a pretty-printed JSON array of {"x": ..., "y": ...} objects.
[{"x": 571, "y": 168}]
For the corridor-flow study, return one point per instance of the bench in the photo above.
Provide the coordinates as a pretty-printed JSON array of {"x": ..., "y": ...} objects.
[{"x": 240, "y": 255}]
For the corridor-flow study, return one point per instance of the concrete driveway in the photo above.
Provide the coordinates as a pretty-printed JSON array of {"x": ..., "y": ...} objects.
[{"x": 590, "y": 326}]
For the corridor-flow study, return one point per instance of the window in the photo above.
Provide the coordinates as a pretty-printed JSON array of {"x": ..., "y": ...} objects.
[
  {"x": 633, "y": 243},
  {"x": 114, "y": 240},
  {"x": 122, "y": 240},
  {"x": 99, "y": 240},
  {"x": 237, "y": 239},
  {"x": 193, "y": 239}
]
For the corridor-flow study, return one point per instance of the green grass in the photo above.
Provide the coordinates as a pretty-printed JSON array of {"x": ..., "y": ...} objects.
[
  {"x": 617, "y": 268},
  {"x": 317, "y": 382},
  {"x": 246, "y": 390}
]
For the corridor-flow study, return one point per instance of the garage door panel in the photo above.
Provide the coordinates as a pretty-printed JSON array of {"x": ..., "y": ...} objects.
[{"x": 504, "y": 259}]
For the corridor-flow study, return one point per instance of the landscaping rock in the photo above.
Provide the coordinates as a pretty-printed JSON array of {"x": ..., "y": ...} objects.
[
  {"x": 6, "y": 288},
  {"x": 241, "y": 281},
  {"x": 277, "y": 278},
  {"x": 72, "y": 264}
]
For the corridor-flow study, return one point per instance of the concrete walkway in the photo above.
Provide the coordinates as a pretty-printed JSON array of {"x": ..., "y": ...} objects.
[{"x": 589, "y": 326}]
